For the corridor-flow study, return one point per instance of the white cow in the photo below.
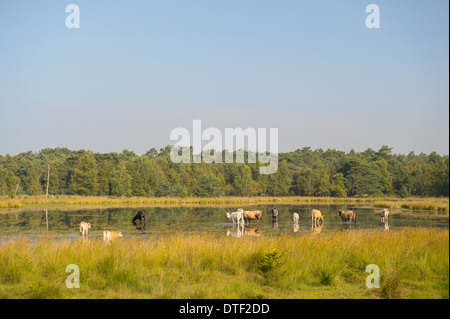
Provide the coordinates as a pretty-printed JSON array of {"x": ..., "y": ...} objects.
[
  {"x": 384, "y": 214},
  {"x": 236, "y": 217},
  {"x": 295, "y": 217}
]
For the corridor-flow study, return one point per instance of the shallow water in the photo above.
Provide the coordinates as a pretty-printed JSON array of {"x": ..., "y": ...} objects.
[{"x": 65, "y": 224}]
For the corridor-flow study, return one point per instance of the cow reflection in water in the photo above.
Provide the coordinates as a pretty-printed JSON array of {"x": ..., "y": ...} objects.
[
  {"x": 241, "y": 231},
  {"x": 274, "y": 224},
  {"x": 295, "y": 218},
  {"x": 85, "y": 239},
  {"x": 252, "y": 232},
  {"x": 316, "y": 229},
  {"x": 384, "y": 225},
  {"x": 237, "y": 231},
  {"x": 141, "y": 227}
]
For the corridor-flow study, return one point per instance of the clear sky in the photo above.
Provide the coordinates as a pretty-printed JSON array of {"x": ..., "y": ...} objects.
[{"x": 135, "y": 70}]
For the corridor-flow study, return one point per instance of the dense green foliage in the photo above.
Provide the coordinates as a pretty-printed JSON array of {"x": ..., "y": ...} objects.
[{"x": 304, "y": 172}]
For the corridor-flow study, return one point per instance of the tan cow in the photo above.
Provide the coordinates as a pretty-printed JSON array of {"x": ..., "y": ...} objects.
[
  {"x": 316, "y": 215},
  {"x": 84, "y": 228},
  {"x": 110, "y": 235},
  {"x": 252, "y": 215},
  {"x": 349, "y": 215}
]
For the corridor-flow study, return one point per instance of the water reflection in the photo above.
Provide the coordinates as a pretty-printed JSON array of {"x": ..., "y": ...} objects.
[
  {"x": 275, "y": 223},
  {"x": 384, "y": 225},
  {"x": 85, "y": 239},
  {"x": 348, "y": 226},
  {"x": 205, "y": 220},
  {"x": 252, "y": 231},
  {"x": 46, "y": 219},
  {"x": 316, "y": 229},
  {"x": 141, "y": 227},
  {"x": 240, "y": 230},
  {"x": 237, "y": 231}
]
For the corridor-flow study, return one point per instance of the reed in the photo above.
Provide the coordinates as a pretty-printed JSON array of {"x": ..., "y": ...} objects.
[
  {"x": 414, "y": 263},
  {"x": 433, "y": 204}
]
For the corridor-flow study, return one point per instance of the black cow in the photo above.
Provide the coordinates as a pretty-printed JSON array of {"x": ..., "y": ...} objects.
[{"x": 141, "y": 216}]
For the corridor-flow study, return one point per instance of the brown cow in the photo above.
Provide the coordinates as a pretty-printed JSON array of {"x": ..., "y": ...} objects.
[
  {"x": 252, "y": 215},
  {"x": 347, "y": 215}
]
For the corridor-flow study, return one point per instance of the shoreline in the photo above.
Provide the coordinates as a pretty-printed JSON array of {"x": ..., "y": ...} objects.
[{"x": 65, "y": 201}]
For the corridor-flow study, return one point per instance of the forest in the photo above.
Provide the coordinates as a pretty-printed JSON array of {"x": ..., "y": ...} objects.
[{"x": 304, "y": 172}]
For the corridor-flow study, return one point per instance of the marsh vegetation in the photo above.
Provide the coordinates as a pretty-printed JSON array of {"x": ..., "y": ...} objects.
[{"x": 414, "y": 263}]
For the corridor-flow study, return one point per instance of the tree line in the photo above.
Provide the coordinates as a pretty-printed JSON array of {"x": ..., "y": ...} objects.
[{"x": 304, "y": 172}]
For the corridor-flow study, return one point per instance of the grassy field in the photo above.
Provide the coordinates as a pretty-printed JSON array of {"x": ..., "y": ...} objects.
[
  {"x": 436, "y": 204},
  {"x": 413, "y": 263}
]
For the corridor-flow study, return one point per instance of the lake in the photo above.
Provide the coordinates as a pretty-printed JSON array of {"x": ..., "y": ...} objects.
[{"x": 62, "y": 223}]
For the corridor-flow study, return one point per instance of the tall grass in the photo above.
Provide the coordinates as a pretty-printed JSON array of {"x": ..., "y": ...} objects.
[
  {"x": 436, "y": 204},
  {"x": 414, "y": 263}
]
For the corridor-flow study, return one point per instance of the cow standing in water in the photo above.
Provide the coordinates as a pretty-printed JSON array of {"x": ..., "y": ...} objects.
[
  {"x": 236, "y": 217},
  {"x": 274, "y": 213},
  {"x": 141, "y": 216},
  {"x": 316, "y": 217},
  {"x": 384, "y": 214},
  {"x": 348, "y": 215},
  {"x": 252, "y": 215}
]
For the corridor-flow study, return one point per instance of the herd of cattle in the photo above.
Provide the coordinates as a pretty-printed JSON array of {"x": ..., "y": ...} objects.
[
  {"x": 109, "y": 235},
  {"x": 241, "y": 217}
]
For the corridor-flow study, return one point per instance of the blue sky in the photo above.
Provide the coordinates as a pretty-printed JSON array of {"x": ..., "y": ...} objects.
[{"x": 135, "y": 70}]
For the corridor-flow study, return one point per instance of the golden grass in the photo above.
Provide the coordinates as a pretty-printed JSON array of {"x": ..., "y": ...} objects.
[
  {"x": 434, "y": 204},
  {"x": 414, "y": 263}
]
